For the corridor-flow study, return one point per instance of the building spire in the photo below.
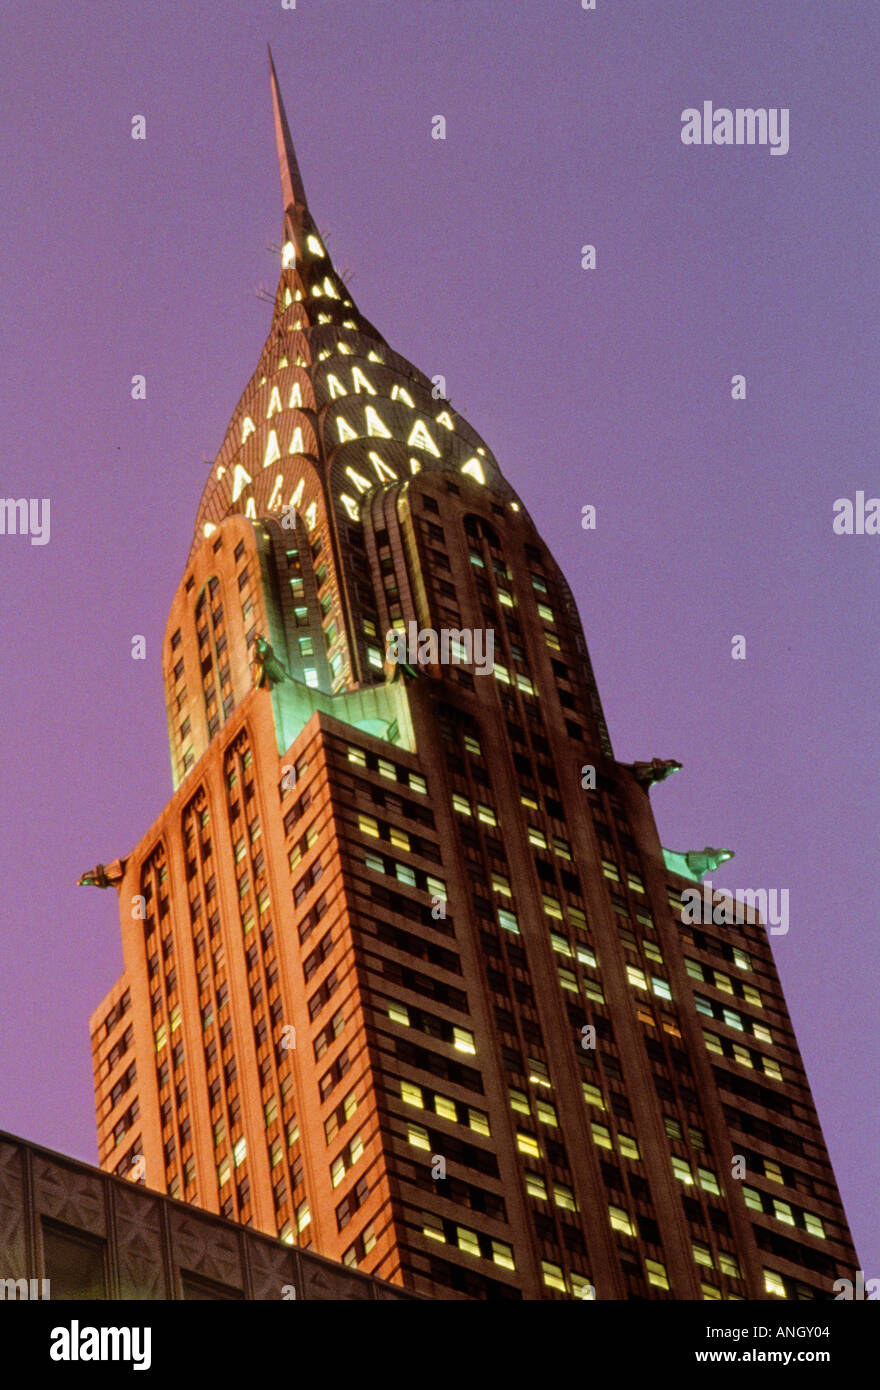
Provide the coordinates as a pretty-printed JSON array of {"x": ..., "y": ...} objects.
[{"x": 292, "y": 188}]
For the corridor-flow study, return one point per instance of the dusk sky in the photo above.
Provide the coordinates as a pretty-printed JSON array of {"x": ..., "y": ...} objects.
[{"x": 610, "y": 387}]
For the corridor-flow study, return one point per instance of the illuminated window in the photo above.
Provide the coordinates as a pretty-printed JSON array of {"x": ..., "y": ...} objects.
[
  {"x": 418, "y": 783},
  {"x": 535, "y": 1186},
  {"x": 412, "y": 1094},
  {"x": 445, "y": 1108},
  {"x": 564, "y": 1197},
  {"x": 601, "y": 1135},
  {"x": 375, "y": 424},
  {"x": 553, "y": 1277},
  {"x": 592, "y": 1095},
  {"x": 398, "y": 1013},
  {"x": 560, "y": 944},
  {"x": 752, "y": 1198},
  {"x": 628, "y": 1146},
  {"x": 656, "y": 1274},
  {"x": 502, "y": 1254},
  {"x": 620, "y": 1221},
  {"x": 478, "y": 1121},
  {"x": 303, "y": 1216},
  {"x": 368, "y": 825},
  {"x": 546, "y": 1113},
  {"x": 538, "y": 1073},
  {"x": 537, "y": 837},
  {"x": 486, "y": 814},
  {"x": 337, "y": 1171},
  {"x": 814, "y": 1224},
  {"x": 501, "y": 885},
  {"x": 567, "y": 979},
  {"x": 783, "y": 1212},
  {"x": 461, "y": 804},
  {"x": 527, "y": 1144},
  {"x": 742, "y": 1055},
  {"x": 751, "y": 996},
  {"x": 636, "y": 977},
  {"x": 772, "y": 1069},
  {"x": 708, "y": 1181},
  {"x": 417, "y": 1136},
  {"x": 661, "y": 987},
  {"x": 398, "y": 838},
  {"x": 773, "y": 1284},
  {"x": 420, "y": 438},
  {"x": 761, "y": 1033},
  {"x": 610, "y": 870},
  {"x": 467, "y": 1240},
  {"x": 432, "y": 1227},
  {"x": 682, "y": 1171},
  {"x": 586, "y": 955},
  {"x": 703, "y": 1255},
  {"x": 728, "y": 1265},
  {"x": 501, "y": 673},
  {"x": 713, "y": 1043},
  {"x": 463, "y": 1041},
  {"x": 742, "y": 959},
  {"x": 507, "y": 920},
  {"x": 519, "y": 1101}
]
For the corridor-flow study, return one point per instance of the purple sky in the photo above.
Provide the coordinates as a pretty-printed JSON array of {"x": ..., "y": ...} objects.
[{"x": 610, "y": 387}]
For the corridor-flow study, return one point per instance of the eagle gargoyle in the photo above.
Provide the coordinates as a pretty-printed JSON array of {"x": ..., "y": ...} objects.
[
  {"x": 657, "y": 770},
  {"x": 268, "y": 670},
  {"x": 102, "y": 876}
]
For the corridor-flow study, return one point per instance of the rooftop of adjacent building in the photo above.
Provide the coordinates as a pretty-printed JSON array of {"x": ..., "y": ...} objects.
[{"x": 95, "y": 1236}]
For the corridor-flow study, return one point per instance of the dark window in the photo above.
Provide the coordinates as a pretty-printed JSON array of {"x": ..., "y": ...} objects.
[{"x": 75, "y": 1263}]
